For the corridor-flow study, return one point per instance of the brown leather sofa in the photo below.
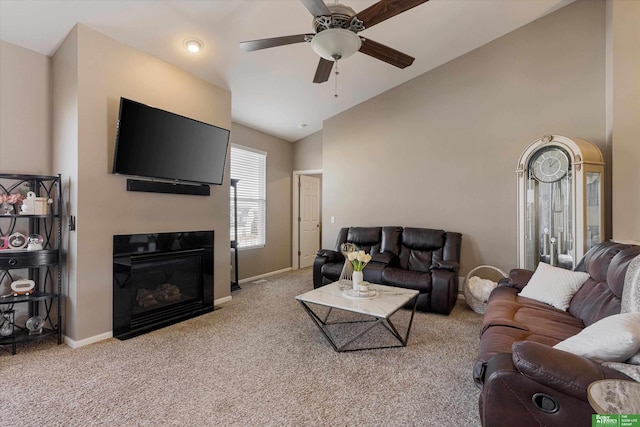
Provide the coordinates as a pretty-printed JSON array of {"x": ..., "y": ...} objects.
[
  {"x": 524, "y": 380},
  {"x": 423, "y": 259}
]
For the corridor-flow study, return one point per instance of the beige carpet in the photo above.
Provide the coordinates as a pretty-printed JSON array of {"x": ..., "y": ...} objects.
[{"x": 259, "y": 360}]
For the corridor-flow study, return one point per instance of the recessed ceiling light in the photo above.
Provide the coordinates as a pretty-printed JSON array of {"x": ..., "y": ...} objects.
[
  {"x": 302, "y": 125},
  {"x": 193, "y": 45}
]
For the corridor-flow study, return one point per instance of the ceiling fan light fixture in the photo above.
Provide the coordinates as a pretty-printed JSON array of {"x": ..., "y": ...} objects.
[{"x": 336, "y": 43}]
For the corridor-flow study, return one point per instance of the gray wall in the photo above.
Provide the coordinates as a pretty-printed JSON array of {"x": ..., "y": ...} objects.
[
  {"x": 25, "y": 111},
  {"x": 625, "y": 117},
  {"x": 90, "y": 74},
  {"x": 276, "y": 254},
  {"x": 440, "y": 151},
  {"x": 307, "y": 154}
]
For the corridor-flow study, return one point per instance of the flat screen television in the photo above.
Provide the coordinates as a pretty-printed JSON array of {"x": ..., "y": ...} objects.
[{"x": 154, "y": 143}]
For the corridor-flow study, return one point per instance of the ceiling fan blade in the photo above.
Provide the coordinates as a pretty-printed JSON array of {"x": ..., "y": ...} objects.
[
  {"x": 384, "y": 10},
  {"x": 316, "y": 7},
  {"x": 323, "y": 71},
  {"x": 386, "y": 54},
  {"x": 252, "y": 45}
]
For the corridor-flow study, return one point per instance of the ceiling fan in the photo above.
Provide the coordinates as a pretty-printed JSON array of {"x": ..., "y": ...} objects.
[{"x": 336, "y": 34}]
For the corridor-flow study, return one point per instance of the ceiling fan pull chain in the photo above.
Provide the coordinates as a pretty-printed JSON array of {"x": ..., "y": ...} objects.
[{"x": 337, "y": 73}]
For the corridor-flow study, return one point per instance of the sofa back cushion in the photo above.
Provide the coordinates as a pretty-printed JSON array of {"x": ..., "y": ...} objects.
[
  {"x": 367, "y": 239},
  {"x": 420, "y": 247},
  {"x": 600, "y": 296},
  {"x": 391, "y": 238}
]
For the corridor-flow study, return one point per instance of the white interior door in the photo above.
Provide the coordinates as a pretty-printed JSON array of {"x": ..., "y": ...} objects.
[{"x": 309, "y": 224}]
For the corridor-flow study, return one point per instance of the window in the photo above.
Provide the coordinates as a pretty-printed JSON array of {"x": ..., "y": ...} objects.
[{"x": 248, "y": 166}]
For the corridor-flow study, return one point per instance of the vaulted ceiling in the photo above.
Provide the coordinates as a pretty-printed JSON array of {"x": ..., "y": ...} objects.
[{"x": 272, "y": 89}]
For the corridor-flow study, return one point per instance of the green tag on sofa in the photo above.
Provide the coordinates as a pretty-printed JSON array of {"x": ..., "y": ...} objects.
[{"x": 615, "y": 420}]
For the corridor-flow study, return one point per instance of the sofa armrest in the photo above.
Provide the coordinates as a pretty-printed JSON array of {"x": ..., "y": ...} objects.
[
  {"x": 331, "y": 256},
  {"x": 445, "y": 265},
  {"x": 509, "y": 398},
  {"x": 566, "y": 372},
  {"x": 518, "y": 278},
  {"x": 324, "y": 256},
  {"x": 444, "y": 290}
]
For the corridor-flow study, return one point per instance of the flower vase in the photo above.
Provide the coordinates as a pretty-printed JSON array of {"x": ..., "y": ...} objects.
[{"x": 359, "y": 284}]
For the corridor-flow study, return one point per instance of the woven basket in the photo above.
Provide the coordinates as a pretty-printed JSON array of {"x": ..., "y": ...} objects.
[{"x": 477, "y": 304}]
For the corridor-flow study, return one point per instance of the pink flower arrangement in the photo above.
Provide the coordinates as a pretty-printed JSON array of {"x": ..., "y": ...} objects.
[{"x": 11, "y": 198}]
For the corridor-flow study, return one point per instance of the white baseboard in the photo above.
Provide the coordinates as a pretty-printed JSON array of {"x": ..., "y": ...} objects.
[
  {"x": 273, "y": 273},
  {"x": 222, "y": 300},
  {"x": 81, "y": 343},
  {"x": 105, "y": 336}
]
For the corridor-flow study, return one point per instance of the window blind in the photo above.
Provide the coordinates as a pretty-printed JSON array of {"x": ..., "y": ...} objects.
[{"x": 248, "y": 166}]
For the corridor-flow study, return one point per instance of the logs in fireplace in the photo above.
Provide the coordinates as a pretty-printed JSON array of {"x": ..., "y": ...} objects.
[{"x": 160, "y": 279}]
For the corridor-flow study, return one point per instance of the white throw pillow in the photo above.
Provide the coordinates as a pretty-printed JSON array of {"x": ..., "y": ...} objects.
[
  {"x": 612, "y": 339},
  {"x": 553, "y": 285},
  {"x": 631, "y": 371},
  {"x": 635, "y": 359},
  {"x": 630, "y": 302}
]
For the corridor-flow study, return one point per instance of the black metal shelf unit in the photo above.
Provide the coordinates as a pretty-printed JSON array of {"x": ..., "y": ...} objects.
[{"x": 21, "y": 261}]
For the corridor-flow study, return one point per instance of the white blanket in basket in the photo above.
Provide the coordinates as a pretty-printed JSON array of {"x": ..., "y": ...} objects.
[{"x": 480, "y": 288}]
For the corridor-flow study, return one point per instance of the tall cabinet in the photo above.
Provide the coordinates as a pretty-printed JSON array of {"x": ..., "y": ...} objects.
[
  {"x": 560, "y": 201},
  {"x": 30, "y": 259}
]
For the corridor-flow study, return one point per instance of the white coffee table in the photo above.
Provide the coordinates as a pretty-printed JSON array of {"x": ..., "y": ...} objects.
[{"x": 376, "y": 310}]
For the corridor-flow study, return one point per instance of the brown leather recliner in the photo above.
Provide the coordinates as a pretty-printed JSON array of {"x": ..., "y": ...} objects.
[
  {"x": 524, "y": 380},
  {"x": 416, "y": 258}
]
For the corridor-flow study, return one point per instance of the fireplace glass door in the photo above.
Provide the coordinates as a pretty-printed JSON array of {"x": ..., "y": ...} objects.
[{"x": 159, "y": 282}]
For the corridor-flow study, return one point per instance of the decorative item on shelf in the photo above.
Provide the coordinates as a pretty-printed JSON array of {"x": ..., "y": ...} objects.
[
  {"x": 17, "y": 241},
  {"x": 33, "y": 205},
  {"x": 28, "y": 204},
  {"x": 41, "y": 205},
  {"x": 34, "y": 242},
  {"x": 4, "y": 242},
  {"x": 6, "y": 208},
  {"x": 359, "y": 260},
  {"x": 23, "y": 286},
  {"x": 6, "y": 323},
  {"x": 34, "y": 325},
  {"x": 8, "y": 201}
]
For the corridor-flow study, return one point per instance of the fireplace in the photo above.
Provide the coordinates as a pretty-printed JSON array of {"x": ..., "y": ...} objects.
[{"x": 160, "y": 279}]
